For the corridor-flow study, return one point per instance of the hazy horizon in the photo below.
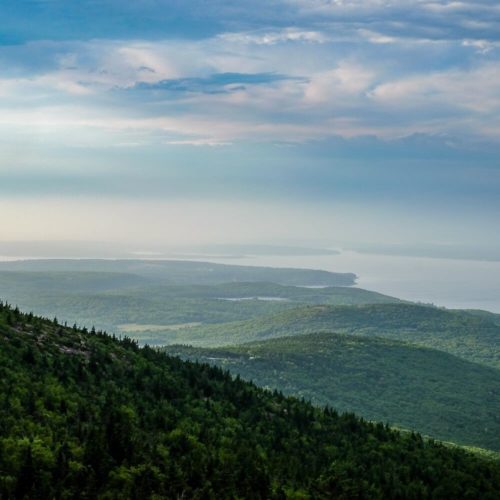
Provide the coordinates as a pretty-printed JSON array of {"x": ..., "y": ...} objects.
[
  {"x": 369, "y": 126},
  {"x": 429, "y": 275}
]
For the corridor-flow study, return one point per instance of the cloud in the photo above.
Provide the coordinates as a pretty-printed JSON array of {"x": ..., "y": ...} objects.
[
  {"x": 418, "y": 20},
  {"x": 213, "y": 84},
  {"x": 274, "y": 37},
  {"x": 346, "y": 80},
  {"x": 472, "y": 90},
  {"x": 296, "y": 71},
  {"x": 482, "y": 46},
  {"x": 377, "y": 38}
]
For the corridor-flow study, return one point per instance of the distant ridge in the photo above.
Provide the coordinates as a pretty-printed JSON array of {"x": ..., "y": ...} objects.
[{"x": 188, "y": 272}]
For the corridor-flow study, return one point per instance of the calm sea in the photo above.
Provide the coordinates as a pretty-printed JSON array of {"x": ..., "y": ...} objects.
[{"x": 452, "y": 283}]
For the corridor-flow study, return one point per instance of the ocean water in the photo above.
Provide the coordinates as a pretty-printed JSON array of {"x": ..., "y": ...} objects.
[{"x": 452, "y": 283}]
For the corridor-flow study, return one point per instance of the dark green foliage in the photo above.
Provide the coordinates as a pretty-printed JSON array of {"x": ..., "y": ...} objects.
[
  {"x": 412, "y": 387},
  {"x": 84, "y": 415}
]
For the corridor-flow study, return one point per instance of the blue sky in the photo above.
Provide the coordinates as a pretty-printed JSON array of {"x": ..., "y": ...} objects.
[{"x": 337, "y": 116}]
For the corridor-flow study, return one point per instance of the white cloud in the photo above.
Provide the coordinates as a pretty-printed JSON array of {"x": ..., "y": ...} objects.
[
  {"x": 475, "y": 90},
  {"x": 446, "y": 6},
  {"x": 374, "y": 37},
  {"x": 482, "y": 46},
  {"x": 86, "y": 95},
  {"x": 346, "y": 80},
  {"x": 145, "y": 61},
  {"x": 274, "y": 37},
  {"x": 336, "y": 5}
]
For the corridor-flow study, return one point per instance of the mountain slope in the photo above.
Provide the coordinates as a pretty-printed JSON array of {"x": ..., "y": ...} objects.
[
  {"x": 411, "y": 387},
  {"x": 83, "y": 415},
  {"x": 458, "y": 333}
]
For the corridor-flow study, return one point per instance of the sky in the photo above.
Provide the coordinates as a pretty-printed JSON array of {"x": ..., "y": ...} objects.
[{"x": 311, "y": 122}]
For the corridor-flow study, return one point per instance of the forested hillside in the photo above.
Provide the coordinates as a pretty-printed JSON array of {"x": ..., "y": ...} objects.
[
  {"x": 84, "y": 415},
  {"x": 409, "y": 386},
  {"x": 472, "y": 338}
]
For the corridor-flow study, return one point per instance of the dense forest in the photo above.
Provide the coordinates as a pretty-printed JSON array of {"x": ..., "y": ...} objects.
[
  {"x": 409, "y": 386},
  {"x": 86, "y": 415}
]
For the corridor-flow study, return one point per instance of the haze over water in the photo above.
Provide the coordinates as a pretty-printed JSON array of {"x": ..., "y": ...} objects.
[
  {"x": 452, "y": 283},
  {"x": 444, "y": 282}
]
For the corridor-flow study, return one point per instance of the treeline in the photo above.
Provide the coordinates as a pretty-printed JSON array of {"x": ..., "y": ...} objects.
[{"x": 87, "y": 415}]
